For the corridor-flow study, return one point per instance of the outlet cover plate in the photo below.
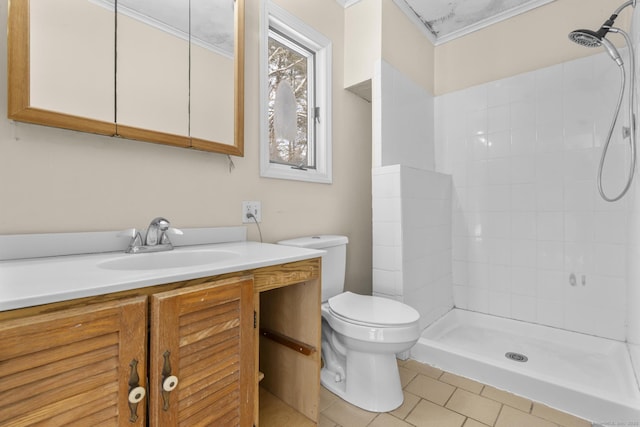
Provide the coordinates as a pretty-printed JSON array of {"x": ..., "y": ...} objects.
[{"x": 254, "y": 207}]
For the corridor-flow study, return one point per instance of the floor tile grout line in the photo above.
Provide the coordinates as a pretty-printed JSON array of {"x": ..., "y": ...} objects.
[
  {"x": 467, "y": 416},
  {"x": 499, "y": 413},
  {"x": 449, "y": 398},
  {"x": 417, "y": 372},
  {"x": 531, "y": 402},
  {"x": 476, "y": 394},
  {"x": 412, "y": 409}
]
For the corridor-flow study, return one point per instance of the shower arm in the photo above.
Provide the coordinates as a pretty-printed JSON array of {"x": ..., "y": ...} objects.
[
  {"x": 604, "y": 28},
  {"x": 624, "y": 5}
]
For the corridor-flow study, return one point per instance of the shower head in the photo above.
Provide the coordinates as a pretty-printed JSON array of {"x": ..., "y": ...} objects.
[
  {"x": 590, "y": 38},
  {"x": 586, "y": 38}
]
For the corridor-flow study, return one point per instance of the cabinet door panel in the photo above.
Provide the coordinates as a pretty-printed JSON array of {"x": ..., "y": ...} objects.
[
  {"x": 72, "y": 58},
  {"x": 71, "y": 366},
  {"x": 152, "y": 76},
  {"x": 206, "y": 333}
]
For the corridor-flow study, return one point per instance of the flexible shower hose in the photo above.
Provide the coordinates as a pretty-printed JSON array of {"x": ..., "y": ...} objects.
[{"x": 632, "y": 124}]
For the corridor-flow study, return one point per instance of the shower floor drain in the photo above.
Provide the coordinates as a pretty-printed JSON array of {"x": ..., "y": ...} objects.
[{"x": 516, "y": 356}]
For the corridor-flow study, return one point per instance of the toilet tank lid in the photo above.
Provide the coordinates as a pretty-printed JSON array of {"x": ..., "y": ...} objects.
[{"x": 316, "y": 242}]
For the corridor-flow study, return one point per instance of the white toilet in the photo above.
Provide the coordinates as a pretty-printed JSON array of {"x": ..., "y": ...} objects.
[{"x": 361, "y": 334}]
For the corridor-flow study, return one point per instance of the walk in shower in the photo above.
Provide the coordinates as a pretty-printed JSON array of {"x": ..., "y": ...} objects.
[{"x": 540, "y": 265}]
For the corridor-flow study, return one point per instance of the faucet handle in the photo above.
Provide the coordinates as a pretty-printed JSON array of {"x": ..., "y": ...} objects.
[
  {"x": 164, "y": 239},
  {"x": 176, "y": 231},
  {"x": 136, "y": 239},
  {"x": 129, "y": 232}
]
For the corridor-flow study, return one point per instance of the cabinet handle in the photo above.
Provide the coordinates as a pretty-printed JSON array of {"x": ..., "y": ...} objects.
[
  {"x": 136, "y": 393},
  {"x": 169, "y": 382}
]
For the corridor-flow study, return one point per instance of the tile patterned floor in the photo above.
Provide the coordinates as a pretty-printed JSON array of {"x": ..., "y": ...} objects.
[{"x": 434, "y": 398}]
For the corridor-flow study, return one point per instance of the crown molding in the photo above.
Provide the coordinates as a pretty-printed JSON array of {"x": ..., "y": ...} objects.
[
  {"x": 492, "y": 20},
  {"x": 438, "y": 40},
  {"x": 413, "y": 17}
]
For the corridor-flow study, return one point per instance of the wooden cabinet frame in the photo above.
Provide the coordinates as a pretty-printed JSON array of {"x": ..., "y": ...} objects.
[
  {"x": 285, "y": 299},
  {"x": 287, "y": 303},
  {"x": 19, "y": 106}
]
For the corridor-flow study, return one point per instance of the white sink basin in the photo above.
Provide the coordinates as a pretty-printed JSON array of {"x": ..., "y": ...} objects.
[{"x": 169, "y": 259}]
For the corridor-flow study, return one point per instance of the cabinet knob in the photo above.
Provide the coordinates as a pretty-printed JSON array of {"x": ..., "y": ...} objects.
[
  {"x": 170, "y": 383},
  {"x": 137, "y": 394}
]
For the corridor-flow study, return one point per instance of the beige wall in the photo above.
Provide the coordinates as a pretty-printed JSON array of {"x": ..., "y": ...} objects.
[
  {"x": 405, "y": 47},
  {"x": 362, "y": 41},
  {"x": 378, "y": 29},
  {"x": 527, "y": 42},
  {"x": 53, "y": 180}
]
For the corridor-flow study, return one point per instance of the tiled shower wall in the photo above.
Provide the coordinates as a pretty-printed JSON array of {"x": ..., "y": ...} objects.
[
  {"x": 402, "y": 120},
  {"x": 411, "y": 202},
  {"x": 527, "y": 219},
  {"x": 412, "y": 239},
  {"x": 633, "y": 267}
]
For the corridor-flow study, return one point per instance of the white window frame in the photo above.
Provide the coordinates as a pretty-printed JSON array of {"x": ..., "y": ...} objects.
[{"x": 292, "y": 27}]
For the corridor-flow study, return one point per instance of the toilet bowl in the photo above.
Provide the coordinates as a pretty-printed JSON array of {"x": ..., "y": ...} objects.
[
  {"x": 361, "y": 334},
  {"x": 359, "y": 347}
]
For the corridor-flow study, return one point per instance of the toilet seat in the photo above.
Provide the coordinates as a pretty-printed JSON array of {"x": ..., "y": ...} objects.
[
  {"x": 360, "y": 317},
  {"x": 374, "y": 311},
  {"x": 370, "y": 333}
]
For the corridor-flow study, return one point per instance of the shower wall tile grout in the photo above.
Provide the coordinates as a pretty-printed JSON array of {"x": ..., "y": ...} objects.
[{"x": 523, "y": 154}]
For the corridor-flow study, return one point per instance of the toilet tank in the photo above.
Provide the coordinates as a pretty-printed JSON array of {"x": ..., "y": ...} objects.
[{"x": 334, "y": 262}]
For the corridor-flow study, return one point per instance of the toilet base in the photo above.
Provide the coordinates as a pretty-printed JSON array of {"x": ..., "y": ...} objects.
[{"x": 371, "y": 382}]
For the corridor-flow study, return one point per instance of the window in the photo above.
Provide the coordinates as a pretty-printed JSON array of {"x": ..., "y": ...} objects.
[{"x": 295, "y": 98}]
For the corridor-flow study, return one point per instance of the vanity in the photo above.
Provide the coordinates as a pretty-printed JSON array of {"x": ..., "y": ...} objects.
[{"x": 114, "y": 339}]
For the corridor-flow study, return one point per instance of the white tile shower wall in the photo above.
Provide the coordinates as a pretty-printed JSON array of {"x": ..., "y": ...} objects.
[
  {"x": 412, "y": 239},
  {"x": 403, "y": 116},
  {"x": 633, "y": 267},
  {"x": 523, "y": 152}
]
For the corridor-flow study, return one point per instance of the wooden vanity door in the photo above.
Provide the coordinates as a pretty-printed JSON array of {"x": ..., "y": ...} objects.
[
  {"x": 202, "y": 348},
  {"x": 72, "y": 367}
]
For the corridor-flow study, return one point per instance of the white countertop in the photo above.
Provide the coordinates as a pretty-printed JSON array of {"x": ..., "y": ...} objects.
[{"x": 29, "y": 282}]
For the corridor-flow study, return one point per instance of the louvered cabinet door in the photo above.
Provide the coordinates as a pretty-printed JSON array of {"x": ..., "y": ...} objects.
[
  {"x": 201, "y": 355},
  {"x": 72, "y": 367}
]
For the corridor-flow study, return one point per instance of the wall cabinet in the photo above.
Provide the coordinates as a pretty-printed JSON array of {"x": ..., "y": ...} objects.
[
  {"x": 194, "y": 347},
  {"x": 163, "y": 71}
]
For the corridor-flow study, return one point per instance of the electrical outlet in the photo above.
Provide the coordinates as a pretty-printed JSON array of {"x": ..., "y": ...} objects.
[{"x": 254, "y": 208}]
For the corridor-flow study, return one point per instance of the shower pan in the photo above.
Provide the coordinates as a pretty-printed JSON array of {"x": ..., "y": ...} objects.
[{"x": 584, "y": 375}]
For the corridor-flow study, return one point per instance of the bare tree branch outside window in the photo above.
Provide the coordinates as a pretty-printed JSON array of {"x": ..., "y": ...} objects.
[{"x": 287, "y": 64}]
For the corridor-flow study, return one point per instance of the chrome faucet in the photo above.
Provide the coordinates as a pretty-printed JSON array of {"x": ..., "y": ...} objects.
[
  {"x": 157, "y": 232},
  {"x": 156, "y": 238}
]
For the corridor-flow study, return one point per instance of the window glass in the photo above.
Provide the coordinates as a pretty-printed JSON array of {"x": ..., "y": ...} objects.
[
  {"x": 290, "y": 130},
  {"x": 295, "y": 93}
]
